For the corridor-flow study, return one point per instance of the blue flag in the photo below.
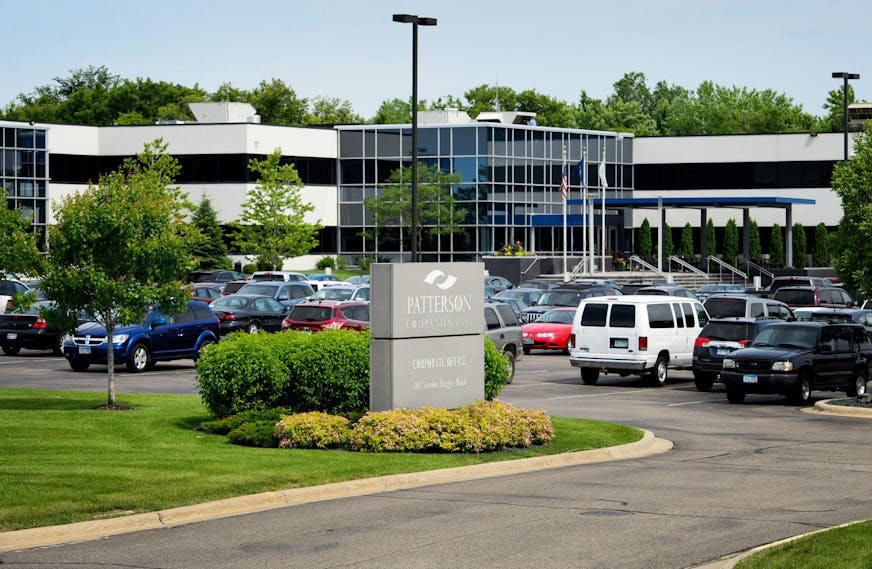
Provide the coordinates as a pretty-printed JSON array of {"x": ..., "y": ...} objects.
[{"x": 581, "y": 171}]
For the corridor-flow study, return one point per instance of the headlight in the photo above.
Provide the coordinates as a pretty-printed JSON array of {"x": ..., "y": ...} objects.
[
  {"x": 782, "y": 366},
  {"x": 119, "y": 338},
  {"x": 728, "y": 363}
]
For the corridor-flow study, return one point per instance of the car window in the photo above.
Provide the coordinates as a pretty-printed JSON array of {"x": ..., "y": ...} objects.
[
  {"x": 201, "y": 312},
  {"x": 508, "y": 314},
  {"x": 660, "y": 316},
  {"x": 186, "y": 316},
  {"x": 701, "y": 314},
  {"x": 361, "y": 313},
  {"x": 623, "y": 316},
  {"x": 363, "y": 293},
  {"x": 490, "y": 318},
  {"x": 688, "y": 314},
  {"x": 594, "y": 314},
  {"x": 310, "y": 313},
  {"x": 679, "y": 315},
  {"x": 348, "y": 312},
  {"x": 719, "y": 307},
  {"x": 756, "y": 310},
  {"x": 284, "y": 293}
]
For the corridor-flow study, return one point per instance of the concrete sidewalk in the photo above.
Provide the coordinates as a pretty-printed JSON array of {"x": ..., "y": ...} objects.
[{"x": 85, "y": 531}]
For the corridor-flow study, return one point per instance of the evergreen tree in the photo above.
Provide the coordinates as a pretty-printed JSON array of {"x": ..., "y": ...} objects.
[
  {"x": 776, "y": 248},
  {"x": 755, "y": 249},
  {"x": 731, "y": 242},
  {"x": 712, "y": 238},
  {"x": 646, "y": 242},
  {"x": 668, "y": 247},
  {"x": 209, "y": 248},
  {"x": 821, "y": 256},
  {"x": 685, "y": 247},
  {"x": 800, "y": 250}
]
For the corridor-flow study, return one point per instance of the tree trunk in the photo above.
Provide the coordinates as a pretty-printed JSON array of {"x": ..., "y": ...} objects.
[{"x": 110, "y": 361}]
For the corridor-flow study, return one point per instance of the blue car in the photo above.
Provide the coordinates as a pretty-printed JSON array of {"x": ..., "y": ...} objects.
[{"x": 159, "y": 337}]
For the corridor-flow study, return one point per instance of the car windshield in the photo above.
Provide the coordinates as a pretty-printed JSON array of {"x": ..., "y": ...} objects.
[
  {"x": 560, "y": 298},
  {"x": 262, "y": 290},
  {"x": 333, "y": 293},
  {"x": 728, "y": 331},
  {"x": 786, "y": 337},
  {"x": 725, "y": 307},
  {"x": 311, "y": 313},
  {"x": 556, "y": 317}
]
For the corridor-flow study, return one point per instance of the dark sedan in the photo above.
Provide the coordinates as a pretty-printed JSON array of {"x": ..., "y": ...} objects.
[
  {"x": 249, "y": 312},
  {"x": 29, "y": 329}
]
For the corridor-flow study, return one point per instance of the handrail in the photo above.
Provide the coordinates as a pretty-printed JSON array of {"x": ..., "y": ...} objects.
[
  {"x": 752, "y": 265},
  {"x": 681, "y": 262},
  {"x": 530, "y": 266},
  {"x": 727, "y": 266},
  {"x": 640, "y": 261}
]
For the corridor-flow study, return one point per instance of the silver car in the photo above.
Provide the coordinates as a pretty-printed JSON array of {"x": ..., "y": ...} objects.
[{"x": 504, "y": 331}]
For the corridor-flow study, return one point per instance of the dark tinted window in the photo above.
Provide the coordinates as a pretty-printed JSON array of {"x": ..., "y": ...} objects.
[
  {"x": 795, "y": 296},
  {"x": 508, "y": 314},
  {"x": 729, "y": 331},
  {"x": 186, "y": 316},
  {"x": 490, "y": 318},
  {"x": 623, "y": 316},
  {"x": 201, "y": 312},
  {"x": 660, "y": 316},
  {"x": 311, "y": 313},
  {"x": 679, "y": 315},
  {"x": 594, "y": 315},
  {"x": 722, "y": 307},
  {"x": 688, "y": 315}
]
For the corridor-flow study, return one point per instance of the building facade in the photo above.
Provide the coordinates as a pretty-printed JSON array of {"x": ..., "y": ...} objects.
[{"x": 510, "y": 177}]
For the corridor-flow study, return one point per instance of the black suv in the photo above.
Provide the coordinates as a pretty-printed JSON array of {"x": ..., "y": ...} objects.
[
  {"x": 794, "y": 358},
  {"x": 719, "y": 338},
  {"x": 564, "y": 296}
]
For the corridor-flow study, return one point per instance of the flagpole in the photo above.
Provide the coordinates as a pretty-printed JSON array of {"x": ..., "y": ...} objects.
[
  {"x": 603, "y": 208},
  {"x": 564, "y": 181},
  {"x": 582, "y": 174}
]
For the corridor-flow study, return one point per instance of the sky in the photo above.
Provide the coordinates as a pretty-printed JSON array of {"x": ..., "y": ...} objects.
[{"x": 351, "y": 49}]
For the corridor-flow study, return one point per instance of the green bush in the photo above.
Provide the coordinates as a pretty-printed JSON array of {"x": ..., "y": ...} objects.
[
  {"x": 227, "y": 424},
  {"x": 249, "y": 268},
  {"x": 364, "y": 262},
  {"x": 255, "y": 434},
  {"x": 325, "y": 262},
  {"x": 496, "y": 370},
  {"x": 241, "y": 373},
  {"x": 330, "y": 372}
]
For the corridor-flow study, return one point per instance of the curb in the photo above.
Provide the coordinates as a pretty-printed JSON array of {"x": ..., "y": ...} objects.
[
  {"x": 823, "y": 407},
  {"x": 96, "y": 529}
]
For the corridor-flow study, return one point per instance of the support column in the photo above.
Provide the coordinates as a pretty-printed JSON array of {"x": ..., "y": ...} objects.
[
  {"x": 788, "y": 240},
  {"x": 661, "y": 240},
  {"x": 746, "y": 234},
  {"x": 703, "y": 237}
]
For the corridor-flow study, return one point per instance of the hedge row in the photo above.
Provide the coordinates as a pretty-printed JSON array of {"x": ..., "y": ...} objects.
[{"x": 327, "y": 372}]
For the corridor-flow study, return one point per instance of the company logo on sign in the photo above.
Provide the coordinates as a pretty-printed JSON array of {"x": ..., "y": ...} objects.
[{"x": 446, "y": 283}]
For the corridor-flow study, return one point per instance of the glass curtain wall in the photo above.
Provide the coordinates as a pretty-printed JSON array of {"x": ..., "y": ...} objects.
[
  {"x": 24, "y": 173},
  {"x": 509, "y": 187}
]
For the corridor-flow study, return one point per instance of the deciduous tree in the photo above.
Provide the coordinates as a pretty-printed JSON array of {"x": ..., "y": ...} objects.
[
  {"x": 120, "y": 246},
  {"x": 273, "y": 220},
  {"x": 19, "y": 252}
]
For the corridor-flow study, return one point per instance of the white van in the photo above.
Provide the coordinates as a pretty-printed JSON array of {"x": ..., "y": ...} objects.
[{"x": 634, "y": 334}]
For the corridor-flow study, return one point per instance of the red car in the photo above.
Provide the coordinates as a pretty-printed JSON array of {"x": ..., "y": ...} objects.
[
  {"x": 550, "y": 331},
  {"x": 327, "y": 314},
  {"x": 205, "y": 292}
]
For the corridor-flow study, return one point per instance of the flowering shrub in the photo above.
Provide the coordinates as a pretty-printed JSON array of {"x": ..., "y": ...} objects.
[
  {"x": 312, "y": 430},
  {"x": 479, "y": 427},
  {"x": 512, "y": 250}
]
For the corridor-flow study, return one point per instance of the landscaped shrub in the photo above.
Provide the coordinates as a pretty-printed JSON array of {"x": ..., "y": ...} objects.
[
  {"x": 240, "y": 373},
  {"x": 312, "y": 430},
  {"x": 255, "y": 434},
  {"x": 227, "y": 424},
  {"x": 330, "y": 372},
  {"x": 249, "y": 268},
  {"x": 325, "y": 262},
  {"x": 496, "y": 370},
  {"x": 479, "y": 427}
]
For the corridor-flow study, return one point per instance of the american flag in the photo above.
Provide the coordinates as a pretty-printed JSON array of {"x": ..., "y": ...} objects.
[{"x": 563, "y": 183}]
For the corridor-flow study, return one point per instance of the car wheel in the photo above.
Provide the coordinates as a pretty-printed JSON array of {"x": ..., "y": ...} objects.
[
  {"x": 735, "y": 396},
  {"x": 58, "y": 348},
  {"x": 139, "y": 359},
  {"x": 801, "y": 393},
  {"x": 857, "y": 387},
  {"x": 659, "y": 372},
  {"x": 79, "y": 365},
  {"x": 203, "y": 344},
  {"x": 253, "y": 328},
  {"x": 510, "y": 364},
  {"x": 703, "y": 381},
  {"x": 526, "y": 351},
  {"x": 589, "y": 376},
  {"x": 11, "y": 349}
]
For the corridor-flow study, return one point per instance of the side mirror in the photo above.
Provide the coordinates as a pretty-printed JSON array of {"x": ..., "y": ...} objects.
[{"x": 159, "y": 321}]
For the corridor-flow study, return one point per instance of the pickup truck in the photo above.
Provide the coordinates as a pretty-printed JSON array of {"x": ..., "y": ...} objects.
[{"x": 504, "y": 331}]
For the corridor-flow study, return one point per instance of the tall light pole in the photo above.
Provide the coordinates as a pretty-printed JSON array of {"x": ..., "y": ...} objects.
[
  {"x": 415, "y": 21},
  {"x": 846, "y": 76}
]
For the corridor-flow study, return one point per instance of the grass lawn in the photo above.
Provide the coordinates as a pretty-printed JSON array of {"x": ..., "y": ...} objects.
[
  {"x": 65, "y": 461},
  {"x": 342, "y": 274},
  {"x": 840, "y": 548}
]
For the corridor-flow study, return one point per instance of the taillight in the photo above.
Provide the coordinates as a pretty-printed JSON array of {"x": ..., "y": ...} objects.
[
  {"x": 228, "y": 316},
  {"x": 40, "y": 323},
  {"x": 701, "y": 342},
  {"x": 742, "y": 343},
  {"x": 643, "y": 343},
  {"x": 571, "y": 341}
]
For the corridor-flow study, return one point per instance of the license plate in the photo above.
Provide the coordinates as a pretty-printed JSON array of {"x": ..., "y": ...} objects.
[
  {"x": 306, "y": 331},
  {"x": 84, "y": 350},
  {"x": 528, "y": 340},
  {"x": 620, "y": 343},
  {"x": 749, "y": 378},
  {"x": 11, "y": 335},
  {"x": 723, "y": 351}
]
